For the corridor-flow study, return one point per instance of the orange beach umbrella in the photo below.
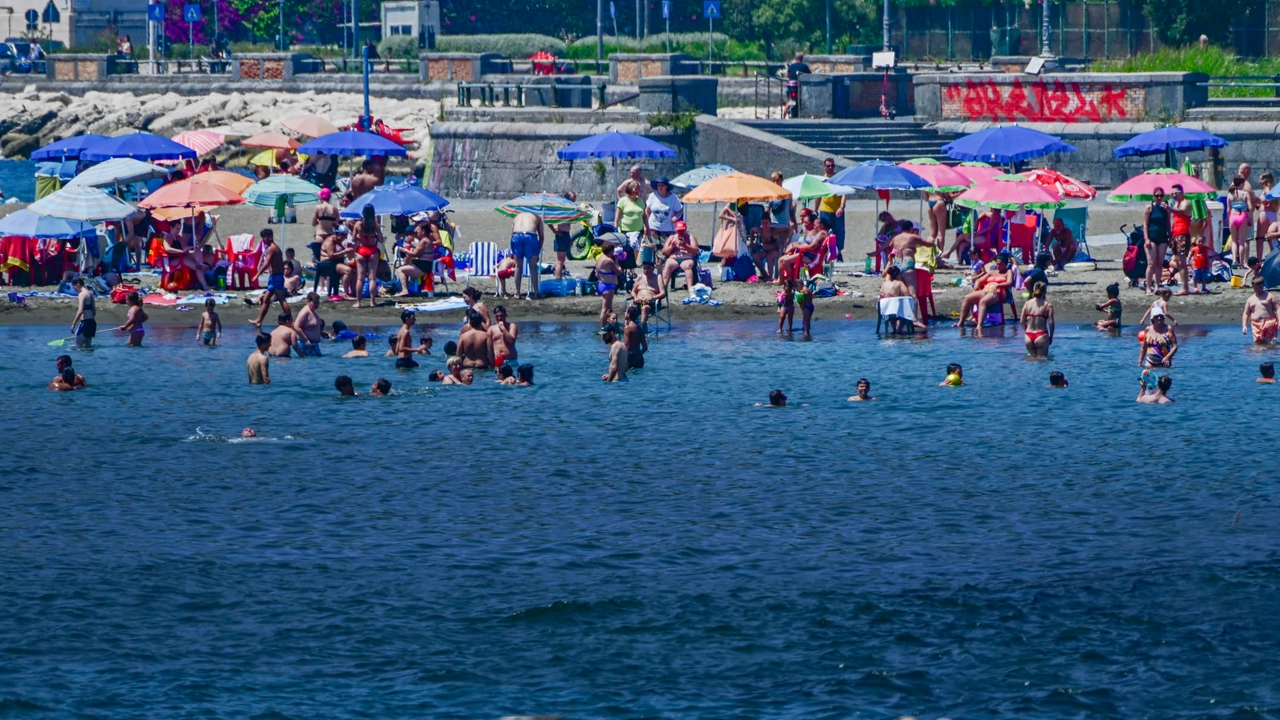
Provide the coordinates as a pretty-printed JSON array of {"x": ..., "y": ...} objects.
[
  {"x": 191, "y": 193},
  {"x": 736, "y": 187}
]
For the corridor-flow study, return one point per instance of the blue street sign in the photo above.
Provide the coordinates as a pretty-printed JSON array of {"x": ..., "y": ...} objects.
[
  {"x": 711, "y": 9},
  {"x": 155, "y": 12},
  {"x": 613, "y": 13},
  {"x": 191, "y": 13},
  {"x": 666, "y": 9}
]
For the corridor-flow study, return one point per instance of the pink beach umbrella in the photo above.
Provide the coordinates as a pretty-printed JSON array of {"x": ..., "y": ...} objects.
[
  {"x": 1010, "y": 192},
  {"x": 978, "y": 172},
  {"x": 1141, "y": 187},
  {"x": 943, "y": 178},
  {"x": 1065, "y": 185},
  {"x": 202, "y": 141}
]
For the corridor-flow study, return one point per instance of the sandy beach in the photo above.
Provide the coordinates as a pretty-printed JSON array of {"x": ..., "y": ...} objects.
[{"x": 1072, "y": 293}]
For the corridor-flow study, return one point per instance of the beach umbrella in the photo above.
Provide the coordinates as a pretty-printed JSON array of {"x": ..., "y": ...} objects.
[
  {"x": 697, "y": 176},
  {"x": 1067, "y": 187},
  {"x": 25, "y": 223},
  {"x": 202, "y": 141},
  {"x": 82, "y": 202},
  {"x": 353, "y": 142},
  {"x": 1162, "y": 141},
  {"x": 942, "y": 178},
  {"x": 270, "y": 140},
  {"x": 878, "y": 175},
  {"x": 235, "y": 182},
  {"x": 67, "y": 149},
  {"x": 1005, "y": 144},
  {"x": 1140, "y": 187},
  {"x": 309, "y": 125},
  {"x": 551, "y": 208},
  {"x": 118, "y": 171},
  {"x": 190, "y": 194},
  {"x": 141, "y": 146},
  {"x": 1010, "y": 192},
  {"x": 736, "y": 187},
  {"x": 811, "y": 187},
  {"x": 266, "y": 158},
  {"x": 615, "y": 145},
  {"x": 396, "y": 199},
  {"x": 978, "y": 172},
  {"x": 266, "y": 193}
]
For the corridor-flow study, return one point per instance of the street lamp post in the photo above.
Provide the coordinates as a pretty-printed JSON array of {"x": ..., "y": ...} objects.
[
  {"x": 282, "y": 26},
  {"x": 828, "y": 27},
  {"x": 1044, "y": 29},
  {"x": 884, "y": 26}
]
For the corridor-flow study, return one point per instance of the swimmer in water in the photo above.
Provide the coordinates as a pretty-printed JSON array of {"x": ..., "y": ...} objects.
[
  {"x": 381, "y": 387},
  {"x": 403, "y": 345},
  {"x": 344, "y": 386},
  {"x": 506, "y": 375},
  {"x": 1268, "y": 372},
  {"x": 524, "y": 376},
  {"x": 210, "y": 329},
  {"x": 259, "y": 362},
  {"x": 248, "y": 433},
  {"x": 359, "y": 344},
  {"x": 67, "y": 381},
  {"x": 777, "y": 398},
  {"x": 1160, "y": 396},
  {"x": 1057, "y": 380},
  {"x": 864, "y": 391},
  {"x": 955, "y": 376}
]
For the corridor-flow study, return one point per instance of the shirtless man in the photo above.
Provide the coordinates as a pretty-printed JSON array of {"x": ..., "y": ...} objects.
[
  {"x": 617, "y": 358},
  {"x": 272, "y": 258},
  {"x": 526, "y": 244},
  {"x": 475, "y": 346},
  {"x": 85, "y": 323},
  {"x": 647, "y": 290},
  {"x": 404, "y": 348},
  {"x": 259, "y": 362},
  {"x": 503, "y": 333},
  {"x": 359, "y": 347},
  {"x": 76, "y": 381},
  {"x": 1260, "y": 314},
  {"x": 335, "y": 259},
  {"x": 325, "y": 215},
  {"x": 310, "y": 325},
  {"x": 363, "y": 182},
  {"x": 284, "y": 338},
  {"x": 635, "y": 338},
  {"x": 636, "y": 175}
]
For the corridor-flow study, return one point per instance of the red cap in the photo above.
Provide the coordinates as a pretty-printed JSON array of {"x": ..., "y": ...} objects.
[{"x": 680, "y": 225}]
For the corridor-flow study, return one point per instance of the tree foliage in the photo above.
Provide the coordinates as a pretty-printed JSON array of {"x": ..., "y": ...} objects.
[{"x": 1182, "y": 22}]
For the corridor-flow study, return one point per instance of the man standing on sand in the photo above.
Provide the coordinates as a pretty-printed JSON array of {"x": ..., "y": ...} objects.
[
  {"x": 259, "y": 363},
  {"x": 831, "y": 209},
  {"x": 284, "y": 338},
  {"x": 475, "y": 346},
  {"x": 562, "y": 239},
  {"x": 310, "y": 325},
  {"x": 503, "y": 334},
  {"x": 617, "y": 358},
  {"x": 404, "y": 341},
  {"x": 1180, "y": 236},
  {"x": 363, "y": 182},
  {"x": 273, "y": 259},
  {"x": 637, "y": 176},
  {"x": 1260, "y": 314},
  {"x": 526, "y": 245},
  {"x": 85, "y": 323}
]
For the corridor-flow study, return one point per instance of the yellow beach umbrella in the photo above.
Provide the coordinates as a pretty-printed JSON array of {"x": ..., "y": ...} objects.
[
  {"x": 266, "y": 158},
  {"x": 736, "y": 187}
]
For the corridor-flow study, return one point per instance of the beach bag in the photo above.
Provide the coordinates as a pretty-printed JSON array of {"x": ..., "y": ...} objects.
[
  {"x": 1130, "y": 262},
  {"x": 743, "y": 268},
  {"x": 120, "y": 292}
]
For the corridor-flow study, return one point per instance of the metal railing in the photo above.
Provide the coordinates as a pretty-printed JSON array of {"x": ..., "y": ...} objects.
[
  {"x": 486, "y": 93},
  {"x": 746, "y": 68},
  {"x": 1243, "y": 86},
  {"x": 765, "y": 84},
  {"x": 378, "y": 67}
]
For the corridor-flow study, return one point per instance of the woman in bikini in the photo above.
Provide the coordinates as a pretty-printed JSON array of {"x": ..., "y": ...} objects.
[
  {"x": 418, "y": 258},
  {"x": 989, "y": 288},
  {"x": 1155, "y": 231},
  {"x": 368, "y": 247},
  {"x": 606, "y": 280},
  {"x": 1266, "y": 214},
  {"x": 134, "y": 320},
  {"x": 1037, "y": 322},
  {"x": 1239, "y": 210},
  {"x": 1159, "y": 344}
]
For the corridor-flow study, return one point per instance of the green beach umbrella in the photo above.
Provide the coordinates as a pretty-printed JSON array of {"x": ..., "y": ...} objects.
[
  {"x": 265, "y": 193},
  {"x": 811, "y": 187}
]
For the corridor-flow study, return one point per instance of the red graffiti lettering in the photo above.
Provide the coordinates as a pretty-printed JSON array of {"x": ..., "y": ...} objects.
[
  {"x": 1113, "y": 102},
  {"x": 1042, "y": 102}
]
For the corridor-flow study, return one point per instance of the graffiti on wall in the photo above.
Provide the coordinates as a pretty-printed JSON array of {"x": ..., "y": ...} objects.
[{"x": 1041, "y": 101}]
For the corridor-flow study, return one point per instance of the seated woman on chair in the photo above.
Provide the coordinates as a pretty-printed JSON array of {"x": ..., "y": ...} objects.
[
  {"x": 418, "y": 256},
  {"x": 682, "y": 253},
  {"x": 990, "y": 288},
  {"x": 176, "y": 246},
  {"x": 806, "y": 250}
]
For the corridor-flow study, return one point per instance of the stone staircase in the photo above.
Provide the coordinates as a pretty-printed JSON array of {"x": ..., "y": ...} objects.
[{"x": 858, "y": 140}]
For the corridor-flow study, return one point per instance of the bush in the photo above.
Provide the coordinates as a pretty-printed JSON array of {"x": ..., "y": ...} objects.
[
  {"x": 694, "y": 44},
  {"x": 514, "y": 45},
  {"x": 1211, "y": 61},
  {"x": 399, "y": 47}
]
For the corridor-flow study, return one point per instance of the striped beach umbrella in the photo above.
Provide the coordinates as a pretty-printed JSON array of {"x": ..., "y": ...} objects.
[
  {"x": 811, "y": 187},
  {"x": 1010, "y": 192},
  {"x": 551, "y": 208},
  {"x": 25, "y": 223},
  {"x": 118, "y": 171},
  {"x": 202, "y": 141},
  {"x": 82, "y": 202},
  {"x": 265, "y": 193}
]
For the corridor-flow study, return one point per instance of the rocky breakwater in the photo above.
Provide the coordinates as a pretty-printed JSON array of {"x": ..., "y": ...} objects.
[{"x": 30, "y": 119}]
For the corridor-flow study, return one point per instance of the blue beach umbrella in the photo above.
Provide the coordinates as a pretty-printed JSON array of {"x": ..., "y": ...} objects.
[
  {"x": 615, "y": 145},
  {"x": 1005, "y": 144},
  {"x": 67, "y": 149},
  {"x": 1162, "y": 140},
  {"x": 878, "y": 175},
  {"x": 353, "y": 142},
  {"x": 25, "y": 223},
  {"x": 139, "y": 146},
  {"x": 396, "y": 199}
]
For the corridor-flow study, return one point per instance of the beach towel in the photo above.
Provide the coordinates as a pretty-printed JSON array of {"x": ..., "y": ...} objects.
[
  {"x": 435, "y": 306},
  {"x": 903, "y": 308}
]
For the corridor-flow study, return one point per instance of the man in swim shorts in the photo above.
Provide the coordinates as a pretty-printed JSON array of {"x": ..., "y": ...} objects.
[
  {"x": 85, "y": 323},
  {"x": 647, "y": 290},
  {"x": 526, "y": 245},
  {"x": 503, "y": 333},
  {"x": 310, "y": 325},
  {"x": 273, "y": 259},
  {"x": 259, "y": 362},
  {"x": 404, "y": 341},
  {"x": 1260, "y": 314},
  {"x": 562, "y": 239}
]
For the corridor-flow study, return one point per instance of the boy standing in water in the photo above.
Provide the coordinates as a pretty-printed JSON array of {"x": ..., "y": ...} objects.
[
  {"x": 210, "y": 329},
  {"x": 1268, "y": 372},
  {"x": 259, "y": 362},
  {"x": 617, "y": 358},
  {"x": 404, "y": 342}
]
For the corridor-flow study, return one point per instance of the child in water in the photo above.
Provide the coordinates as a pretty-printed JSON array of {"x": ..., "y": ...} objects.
[
  {"x": 133, "y": 323},
  {"x": 955, "y": 376},
  {"x": 210, "y": 329},
  {"x": 1268, "y": 372},
  {"x": 1111, "y": 307},
  {"x": 787, "y": 306},
  {"x": 1159, "y": 306}
]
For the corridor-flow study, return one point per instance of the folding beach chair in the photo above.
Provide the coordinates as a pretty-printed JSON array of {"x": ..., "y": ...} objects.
[
  {"x": 484, "y": 261},
  {"x": 244, "y": 252},
  {"x": 1076, "y": 220},
  {"x": 898, "y": 314}
]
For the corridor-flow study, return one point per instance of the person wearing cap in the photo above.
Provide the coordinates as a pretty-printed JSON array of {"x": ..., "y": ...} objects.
[
  {"x": 1260, "y": 314},
  {"x": 661, "y": 210},
  {"x": 325, "y": 215},
  {"x": 637, "y": 177},
  {"x": 681, "y": 251}
]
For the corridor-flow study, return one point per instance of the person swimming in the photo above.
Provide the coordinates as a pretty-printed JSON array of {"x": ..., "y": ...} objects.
[
  {"x": 1057, "y": 380},
  {"x": 864, "y": 391},
  {"x": 777, "y": 398},
  {"x": 955, "y": 376},
  {"x": 344, "y": 386},
  {"x": 1268, "y": 372}
]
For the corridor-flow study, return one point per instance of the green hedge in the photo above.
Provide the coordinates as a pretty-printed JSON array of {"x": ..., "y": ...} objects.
[
  {"x": 694, "y": 44},
  {"x": 516, "y": 45},
  {"x": 1212, "y": 60}
]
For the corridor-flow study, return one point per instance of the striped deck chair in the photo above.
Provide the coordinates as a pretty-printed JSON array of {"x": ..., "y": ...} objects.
[{"x": 484, "y": 261}]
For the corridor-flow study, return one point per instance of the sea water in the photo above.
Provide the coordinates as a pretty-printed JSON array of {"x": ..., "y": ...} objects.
[
  {"x": 18, "y": 179},
  {"x": 660, "y": 548}
]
